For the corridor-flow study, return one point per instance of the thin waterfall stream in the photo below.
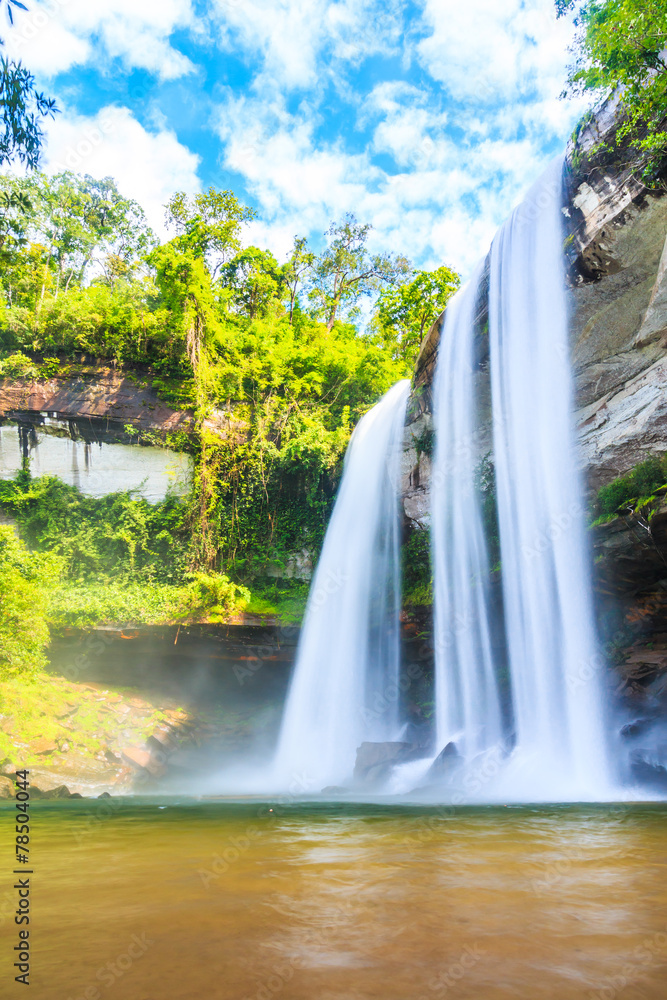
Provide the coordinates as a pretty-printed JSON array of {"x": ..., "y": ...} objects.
[
  {"x": 346, "y": 680},
  {"x": 553, "y": 745},
  {"x": 468, "y": 711}
]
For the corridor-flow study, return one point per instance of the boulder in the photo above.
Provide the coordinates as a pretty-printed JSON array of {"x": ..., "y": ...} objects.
[
  {"x": 443, "y": 764},
  {"x": 60, "y": 792},
  {"x": 376, "y": 761},
  {"x": 650, "y": 768},
  {"x": 144, "y": 760},
  {"x": 6, "y": 788},
  {"x": 137, "y": 757}
]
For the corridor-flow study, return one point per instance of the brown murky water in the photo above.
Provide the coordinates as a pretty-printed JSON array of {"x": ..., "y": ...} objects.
[{"x": 134, "y": 902}]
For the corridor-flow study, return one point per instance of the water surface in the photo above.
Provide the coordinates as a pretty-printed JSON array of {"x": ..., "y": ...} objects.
[{"x": 341, "y": 902}]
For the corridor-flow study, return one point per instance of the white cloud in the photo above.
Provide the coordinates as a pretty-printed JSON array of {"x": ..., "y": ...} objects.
[
  {"x": 484, "y": 51},
  {"x": 55, "y": 35},
  {"x": 447, "y": 155},
  {"x": 298, "y": 40},
  {"x": 147, "y": 166},
  {"x": 441, "y": 207},
  {"x": 433, "y": 159}
]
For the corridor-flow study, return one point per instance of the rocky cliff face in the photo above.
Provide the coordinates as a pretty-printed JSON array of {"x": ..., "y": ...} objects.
[
  {"x": 617, "y": 253},
  {"x": 110, "y": 398}
]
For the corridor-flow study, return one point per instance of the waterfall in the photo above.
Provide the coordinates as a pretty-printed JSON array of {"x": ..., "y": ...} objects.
[
  {"x": 345, "y": 687},
  {"x": 467, "y": 702},
  {"x": 553, "y": 666},
  {"x": 553, "y": 660}
]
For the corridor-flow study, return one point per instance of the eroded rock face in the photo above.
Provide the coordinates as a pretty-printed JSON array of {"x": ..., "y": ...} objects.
[
  {"x": 99, "y": 392},
  {"x": 619, "y": 328}
]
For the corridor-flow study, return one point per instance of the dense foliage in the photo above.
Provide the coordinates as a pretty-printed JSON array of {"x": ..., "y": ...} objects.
[
  {"x": 269, "y": 349},
  {"x": 118, "y": 558},
  {"x": 620, "y": 51}
]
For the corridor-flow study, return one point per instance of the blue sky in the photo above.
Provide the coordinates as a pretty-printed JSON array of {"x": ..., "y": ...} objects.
[{"x": 427, "y": 119}]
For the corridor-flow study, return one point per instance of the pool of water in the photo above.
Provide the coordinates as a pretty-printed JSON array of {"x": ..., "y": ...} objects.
[
  {"x": 254, "y": 901},
  {"x": 97, "y": 467}
]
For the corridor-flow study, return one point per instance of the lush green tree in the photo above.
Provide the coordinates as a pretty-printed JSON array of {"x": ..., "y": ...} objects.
[
  {"x": 620, "y": 50},
  {"x": 187, "y": 294},
  {"x": 405, "y": 313},
  {"x": 347, "y": 270},
  {"x": 85, "y": 222},
  {"x": 15, "y": 208},
  {"x": 209, "y": 225},
  {"x": 254, "y": 280},
  {"x": 294, "y": 272}
]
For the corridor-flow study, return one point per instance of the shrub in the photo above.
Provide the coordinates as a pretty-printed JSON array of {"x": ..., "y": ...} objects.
[{"x": 638, "y": 484}]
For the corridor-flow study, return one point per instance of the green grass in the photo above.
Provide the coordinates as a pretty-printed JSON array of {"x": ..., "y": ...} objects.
[
  {"x": 282, "y": 599},
  {"x": 42, "y": 707}
]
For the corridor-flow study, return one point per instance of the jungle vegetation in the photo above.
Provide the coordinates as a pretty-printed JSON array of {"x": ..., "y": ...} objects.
[
  {"x": 619, "y": 52},
  {"x": 297, "y": 350}
]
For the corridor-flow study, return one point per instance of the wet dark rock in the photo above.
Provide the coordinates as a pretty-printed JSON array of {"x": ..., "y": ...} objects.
[
  {"x": 60, "y": 792},
  {"x": 57, "y": 792},
  {"x": 636, "y": 728},
  {"x": 650, "y": 767},
  {"x": 443, "y": 763},
  {"x": 376, "y": 761}
]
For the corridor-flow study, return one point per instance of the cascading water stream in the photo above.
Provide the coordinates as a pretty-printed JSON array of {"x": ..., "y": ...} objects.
[
  {"x": 346, "y": 680},
  {"x": 467, "y": 702},
  {"x": 553, "y": 660},
  {"x": 557, "y": 726}
]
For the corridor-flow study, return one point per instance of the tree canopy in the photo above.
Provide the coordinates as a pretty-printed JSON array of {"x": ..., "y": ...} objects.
[
  {"x": 221, "y": 327},
  {"x": 620, "y": 50}
]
